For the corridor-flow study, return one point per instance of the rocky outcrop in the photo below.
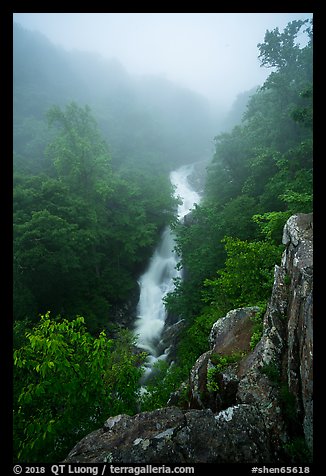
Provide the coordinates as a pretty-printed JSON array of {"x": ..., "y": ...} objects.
[
  {"x": 169, "y": 339},
  {"x": 246, "y": 409},
  {"x": 174, "y": 436},
  {"x": 229, "y": 335},
  {"x": 277, "y": 375},
  {"x": 297, "y": 264},
  {"x": 232, "y": 333}
]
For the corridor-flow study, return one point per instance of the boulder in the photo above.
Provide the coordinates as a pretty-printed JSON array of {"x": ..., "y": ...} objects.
[
  {"x": 170, "y": 338},
  {"x": 174, "y": 436},
  {"x": 229, "y": 335},
  {"x": 232, "y": 333},
  {"x": 245, "y": 420}
]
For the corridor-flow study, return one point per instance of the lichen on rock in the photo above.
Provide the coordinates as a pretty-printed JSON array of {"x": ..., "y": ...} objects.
[{"x": 247, "y": 419}]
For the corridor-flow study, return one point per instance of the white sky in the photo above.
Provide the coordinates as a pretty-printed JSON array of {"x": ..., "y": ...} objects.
[{"x": 215, "y": 54}]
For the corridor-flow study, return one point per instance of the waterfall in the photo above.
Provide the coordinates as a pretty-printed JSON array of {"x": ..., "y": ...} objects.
[{"x": 158, "y": 280}]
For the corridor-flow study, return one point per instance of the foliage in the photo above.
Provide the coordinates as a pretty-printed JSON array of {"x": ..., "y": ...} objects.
[
  {"x": 66, "y": 384},
  {"x": 297, "y": 451},
  {"x": 271, "y": 225},
  {"x": 211, "y": 384},
  {"x": 78, "y": 153},
  {"x": 20, "y": 329},
  {"x": 257, "y": 320},
  {"x": 272, "y": 371},
  {"x": 81, "y": 234},
  {"x": 260, "y": 174},
  {"x": 279, "y": 50},
  {"x": 194, "y": 339},
  {"x": 301, "y": 202},
  {"x": 289, "y": 406},
  {"x": 86, "y": 219},
  {"x": 167, "y": 379},
  {"x": 150, "y": 124},
  {"x": 287, "y": 280},
  {"x": 220, "y": 363},
  {"x": 248, "y": 274},
  {"x": 163, "y": 380}
]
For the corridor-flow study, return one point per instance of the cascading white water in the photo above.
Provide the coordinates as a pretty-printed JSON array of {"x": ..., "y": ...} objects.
[{"x": 158, "y": 280}]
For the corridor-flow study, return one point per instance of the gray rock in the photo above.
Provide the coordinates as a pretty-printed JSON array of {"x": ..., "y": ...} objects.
[
  {"x": 198, "y": 382},
  {"x": 232, "y": 333},
  {"x": 244, "y": 421},
  {"x": 298, "y": 264},
  {"x": 170, "y": 338},
  {"x": 287, "y": 341},
  {"x": 172, "y": 436},
  {"x": 145, "y": 437}
]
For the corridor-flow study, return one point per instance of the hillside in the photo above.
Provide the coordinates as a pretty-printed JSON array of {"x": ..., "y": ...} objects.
[
  {"x": 147, "y": 121},
  {"x": 94, "y": 148}
]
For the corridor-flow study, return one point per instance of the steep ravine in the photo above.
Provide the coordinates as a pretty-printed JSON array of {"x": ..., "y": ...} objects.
[
  {"x": 151, "y": 326},
  {"x": 263, "y": 405}
]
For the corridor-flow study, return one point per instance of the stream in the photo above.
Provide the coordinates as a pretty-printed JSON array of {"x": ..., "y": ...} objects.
[{"x": 158, "y": 279}]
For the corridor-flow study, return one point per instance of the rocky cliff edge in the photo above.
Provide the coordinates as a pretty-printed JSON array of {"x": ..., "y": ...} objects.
[{"x": 253, "y": 409}]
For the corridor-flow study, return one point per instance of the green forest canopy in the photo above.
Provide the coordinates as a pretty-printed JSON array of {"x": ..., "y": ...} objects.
[{"x": 85, "y": 224}]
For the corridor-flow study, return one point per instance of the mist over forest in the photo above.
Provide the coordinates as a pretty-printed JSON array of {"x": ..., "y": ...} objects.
[
  {"x": 148, "y": 120},
  {"x": 156, "y": 159}
]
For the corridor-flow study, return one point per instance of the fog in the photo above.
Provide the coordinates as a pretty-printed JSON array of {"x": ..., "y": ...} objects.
[{"x": 214, "y": 54}]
